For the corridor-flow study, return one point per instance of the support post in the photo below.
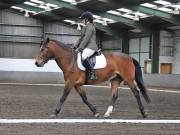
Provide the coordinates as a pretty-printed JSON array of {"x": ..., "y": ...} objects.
[
  {"x": 125, "y": 43},
  {"x": 155, "y": 51}
]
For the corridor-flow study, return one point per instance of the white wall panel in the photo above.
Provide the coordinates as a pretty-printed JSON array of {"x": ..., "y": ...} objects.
[
  {"x": 20, "y": 36},
  {"x": 144, "y": 44},
  {"x": 139, "y": 49},
  {"x": 143, "y": 57},
  {"x": 134, "y": 45},
  {"x": 114, "y": 45},
  {"x": 21, "y": 30},
  {"x": 176, "y": 68},
  {"x": 57, "y": 27},
  {"x": 18, "y": 50},
  {"x": 8, "y": 16},
  {"x": 135, "y": 56},
  {"x": 62, "y": 33}
]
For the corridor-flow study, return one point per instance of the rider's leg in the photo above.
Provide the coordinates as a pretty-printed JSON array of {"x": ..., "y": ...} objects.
[
  {"x": 85, "y": 57},
  {"x": 87, "y": 53},
  {"x": 89, "y": 67}
]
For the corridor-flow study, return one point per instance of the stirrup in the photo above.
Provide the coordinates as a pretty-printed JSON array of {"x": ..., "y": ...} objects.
[{"x": 92, "y": 76}]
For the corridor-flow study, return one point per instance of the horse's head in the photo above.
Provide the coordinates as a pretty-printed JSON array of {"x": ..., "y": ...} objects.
[{"x": 44, "y": 54}]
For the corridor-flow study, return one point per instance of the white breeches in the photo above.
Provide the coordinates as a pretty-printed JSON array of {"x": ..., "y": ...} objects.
[{"x": 87, "y": 53}]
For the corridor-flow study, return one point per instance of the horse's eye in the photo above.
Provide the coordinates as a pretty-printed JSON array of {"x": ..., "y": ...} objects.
[{"x": 42, "y": 49}]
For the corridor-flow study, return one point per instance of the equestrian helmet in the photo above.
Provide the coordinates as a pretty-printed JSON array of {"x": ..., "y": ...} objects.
[{"x": 87, "y": 15}]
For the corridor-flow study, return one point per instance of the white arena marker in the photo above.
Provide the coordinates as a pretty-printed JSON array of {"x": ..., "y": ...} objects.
[{"x": 71, "y": 121}]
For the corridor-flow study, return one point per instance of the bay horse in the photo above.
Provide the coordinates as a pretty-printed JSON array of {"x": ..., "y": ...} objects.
[{"x": 120, "y": 67}]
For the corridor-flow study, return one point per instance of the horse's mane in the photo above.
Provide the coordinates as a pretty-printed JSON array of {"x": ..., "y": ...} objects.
[{"x": 63, "y": 45}]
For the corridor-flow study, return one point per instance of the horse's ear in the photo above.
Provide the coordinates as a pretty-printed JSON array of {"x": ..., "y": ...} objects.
[
  {"x": 47, "y": 40},
  {"x": 41, "y": 42}
]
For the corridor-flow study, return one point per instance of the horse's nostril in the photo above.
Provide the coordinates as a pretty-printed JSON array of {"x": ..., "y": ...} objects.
[{"x": 36, "y": 63}]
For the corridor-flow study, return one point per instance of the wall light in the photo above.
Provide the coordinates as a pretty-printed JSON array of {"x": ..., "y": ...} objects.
[
  {"x": 78, "y": 26},
  {"x": 26, "y": 13}
]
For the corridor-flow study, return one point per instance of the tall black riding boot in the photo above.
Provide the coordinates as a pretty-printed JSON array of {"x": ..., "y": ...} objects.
[
  {"x": 92, "y": 74},
  {"x": 89, "y": 67}
]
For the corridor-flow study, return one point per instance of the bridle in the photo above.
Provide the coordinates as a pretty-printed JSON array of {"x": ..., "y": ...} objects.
[{"x": 74, "y": 54}]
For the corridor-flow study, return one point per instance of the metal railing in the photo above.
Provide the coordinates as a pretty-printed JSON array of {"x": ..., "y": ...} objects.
[{"x": 167, "y": 51}]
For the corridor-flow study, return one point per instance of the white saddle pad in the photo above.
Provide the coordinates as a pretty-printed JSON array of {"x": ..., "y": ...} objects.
[{"x": 100, "y": 62}]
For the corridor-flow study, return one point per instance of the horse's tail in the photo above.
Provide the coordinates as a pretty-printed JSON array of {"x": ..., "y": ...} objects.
[{"x": 139, "y": 81}]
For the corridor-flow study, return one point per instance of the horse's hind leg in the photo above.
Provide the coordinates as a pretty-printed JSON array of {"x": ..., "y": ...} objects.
[
  {"x": 136, "y": 94},
  {"x": 82, "y": 93},
  {"x": 115, "y": 82}
]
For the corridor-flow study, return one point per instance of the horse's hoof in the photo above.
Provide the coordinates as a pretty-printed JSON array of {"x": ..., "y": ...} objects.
[
  {"x": 52, "y": 116},
  {"x": 144, "y": 114},
  {"x": 96, "y": 115},
  {"x": 106, "y": 115}
]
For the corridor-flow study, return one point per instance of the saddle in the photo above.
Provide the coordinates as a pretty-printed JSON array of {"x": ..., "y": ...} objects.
[{"x": 98, "y": 59}]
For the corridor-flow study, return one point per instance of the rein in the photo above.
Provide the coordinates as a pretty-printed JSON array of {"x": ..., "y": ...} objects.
[
  {"x": 60, "y": 57},
  {"x": 72, "y": 51},
  {"x": 74, "y": 54}
]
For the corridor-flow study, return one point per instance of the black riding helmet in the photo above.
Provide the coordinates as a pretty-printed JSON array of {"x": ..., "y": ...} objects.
[{"x": 87, "y": 15}]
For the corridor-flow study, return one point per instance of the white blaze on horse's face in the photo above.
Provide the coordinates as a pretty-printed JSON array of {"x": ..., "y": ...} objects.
[{"x": 41, "y": 57}]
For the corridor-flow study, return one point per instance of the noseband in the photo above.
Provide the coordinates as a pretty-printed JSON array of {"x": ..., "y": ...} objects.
[
  {"x": 46, "y": 58},
  {"x": 59, "y": 57}
]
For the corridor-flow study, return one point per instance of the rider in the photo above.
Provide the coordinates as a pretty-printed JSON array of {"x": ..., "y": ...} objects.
[{"x": 87, "y": 42}]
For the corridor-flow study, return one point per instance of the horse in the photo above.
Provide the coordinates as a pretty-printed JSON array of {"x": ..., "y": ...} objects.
[{"x": 120, "y": 67}]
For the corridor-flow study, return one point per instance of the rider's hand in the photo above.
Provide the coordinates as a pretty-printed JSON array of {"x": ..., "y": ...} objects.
[
  {"x": 74, "y": 47},
  {"x": 80, "y": 50}
]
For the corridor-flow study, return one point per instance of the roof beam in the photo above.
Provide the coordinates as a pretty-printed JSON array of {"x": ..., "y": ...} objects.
[
  {"x": 173, "y": 1},
  {"x": 8, "y": 3},
  {"x": 108, "y": 31},
  {"x": 124, "y": 1},
  {"x": 14, "y": 1},
  {"x": 163, "y": 15},
  {"x": 63, "y": 4},
  {"x": 61, "y": 18},
  {"x": 127, "y": 21},
  {"x": 19, "y": 1},
  {"x": 42, "y": 12},
  {"x": 73, "y": 7},
  {"x": 31, "y": 8},
  {"x": 121, "y": 19}
]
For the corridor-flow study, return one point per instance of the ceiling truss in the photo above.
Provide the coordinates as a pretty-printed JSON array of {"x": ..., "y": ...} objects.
[{"x": 46, "y": 9}]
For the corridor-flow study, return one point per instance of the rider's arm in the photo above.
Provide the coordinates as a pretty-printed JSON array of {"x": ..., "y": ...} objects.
[
  {"x": 87, "y": 37},
  {"x": 76, "y": 45}
]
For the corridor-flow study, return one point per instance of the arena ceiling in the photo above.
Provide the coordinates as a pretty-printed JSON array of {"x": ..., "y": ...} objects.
[{"x": 111, "y": 16}]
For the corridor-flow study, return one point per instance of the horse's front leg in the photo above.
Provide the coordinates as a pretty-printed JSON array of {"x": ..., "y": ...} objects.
[
  {"x": 66, "y": 92},
  {"x": 82, "y": 93}
]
